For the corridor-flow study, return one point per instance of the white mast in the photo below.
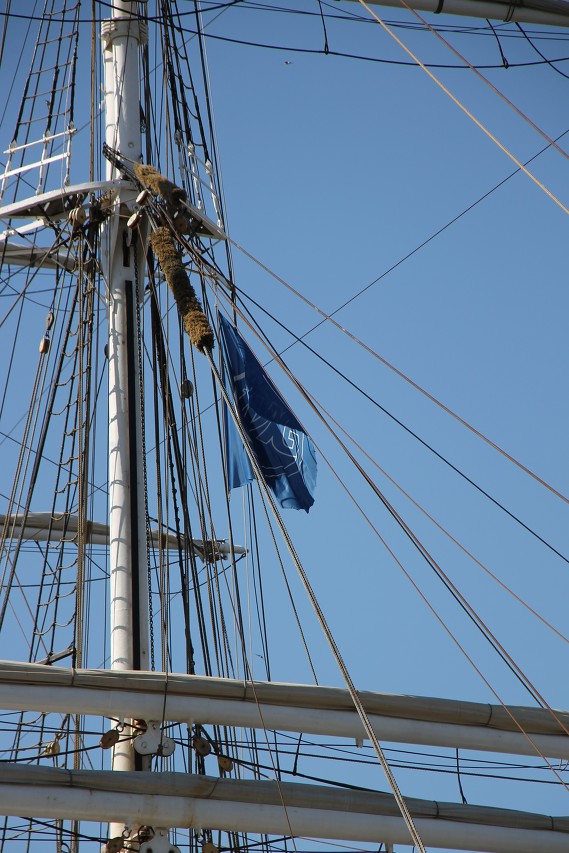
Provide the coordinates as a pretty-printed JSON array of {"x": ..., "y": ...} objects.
[{"x": 121, "y": 36}]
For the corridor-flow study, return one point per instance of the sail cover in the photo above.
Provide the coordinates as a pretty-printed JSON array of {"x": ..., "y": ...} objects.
[{"x": 278, "y": 442}]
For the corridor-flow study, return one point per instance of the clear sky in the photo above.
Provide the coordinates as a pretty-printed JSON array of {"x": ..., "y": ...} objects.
[
  {"x": 337, "y": 172},
  {"x": 336, "y": 169}
]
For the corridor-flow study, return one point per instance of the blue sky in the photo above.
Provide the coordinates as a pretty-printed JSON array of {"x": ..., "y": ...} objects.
[{"x": 334, "y": 170}]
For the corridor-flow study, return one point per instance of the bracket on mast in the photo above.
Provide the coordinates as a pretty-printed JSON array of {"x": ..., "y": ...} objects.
[
  {"x": 198, "y": 223},
  {"x": 153, "y": 741},
  {"x": 159, "y": 844},
  {"x": 57, "y": 203},
  {"x": 113, "y": 28},
  {"x": 146, "y": 840}
]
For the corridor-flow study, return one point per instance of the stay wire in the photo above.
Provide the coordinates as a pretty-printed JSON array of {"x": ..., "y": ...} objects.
[
  {"x": 550, "y": 62},
  {"x": 396, "y": 370},
  {"x": 442, "y": 576},
  {"x": 487, "y": 82},
  {"x": 465, "y": 110},
  {"x": 320, "y": 615},
  {"x": 408, "y": 496},
  {"x": 242, "y": 294}
]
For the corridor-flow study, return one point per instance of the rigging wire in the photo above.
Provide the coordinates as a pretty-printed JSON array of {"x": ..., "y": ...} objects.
[
  {"x": 466, "y": 111},
  {"x": 442, "y": 759},
  {"x": 354, "y": 17},
  {"x": 505, "y": 62},
  {"x": 398, "y": 372},
  {"x": 326, "y": 48},
  {"x": 550, "y": 62},
  {"x": 494, "y": 642},
  {"x": 378, "y": 405},
  {"x": 418, "y": 506},
  {"x": 496, "y": 91},
  {"x": 320, "y": 615},
  {"x": 400, "y": 765}
]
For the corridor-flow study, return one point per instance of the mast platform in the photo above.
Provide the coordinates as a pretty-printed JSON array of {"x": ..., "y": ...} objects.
[{"x": 56, "y": 204}]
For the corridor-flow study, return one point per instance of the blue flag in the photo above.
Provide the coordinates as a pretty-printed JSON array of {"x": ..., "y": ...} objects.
[{"x": 281, "y": 447}]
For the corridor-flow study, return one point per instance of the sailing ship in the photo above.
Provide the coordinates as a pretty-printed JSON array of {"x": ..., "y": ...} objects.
[{"x": 190, "y": 660}]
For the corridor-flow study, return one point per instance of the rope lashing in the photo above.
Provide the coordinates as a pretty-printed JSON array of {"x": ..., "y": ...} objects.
[
  {"x": 195, "y": 321},
  {"x": 157, "y": 183}
]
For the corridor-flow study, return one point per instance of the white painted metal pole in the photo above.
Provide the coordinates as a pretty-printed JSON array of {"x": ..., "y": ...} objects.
[
  {"x": 49, "y": 801},
  {"x": 315, "y": 721},
  {"x": 121, "y": 36}
]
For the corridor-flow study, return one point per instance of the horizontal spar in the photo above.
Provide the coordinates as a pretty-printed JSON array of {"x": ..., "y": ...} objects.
[
  {"x": 257, "y": 806},
  {"x": 284, "y": 707},
  {"x": 552, "y": 13},
  {"x": 45, "y": 527}
]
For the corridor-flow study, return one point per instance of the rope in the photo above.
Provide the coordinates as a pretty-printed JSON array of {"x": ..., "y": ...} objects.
[
  {"x": 465, "y": 110},
  {"x": 396, "y": 420},
  {"x": 398, "y": 372},
  {"x": 516, "y": 670},
  {"x": 492, "y": 639},
  {"x": 321, "y": 618},
  {"x": 485, "y": 80}
]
